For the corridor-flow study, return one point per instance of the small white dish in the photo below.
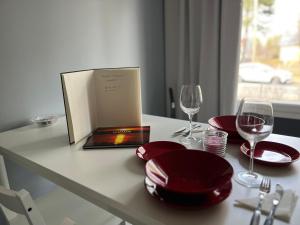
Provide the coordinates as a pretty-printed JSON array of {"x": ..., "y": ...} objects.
[{"x": 44, "y": 120}]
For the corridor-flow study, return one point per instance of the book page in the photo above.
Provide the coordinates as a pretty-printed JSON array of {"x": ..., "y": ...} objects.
[
  {"x": 80, "y": 103},
  {"x": 118, "y": 98}
]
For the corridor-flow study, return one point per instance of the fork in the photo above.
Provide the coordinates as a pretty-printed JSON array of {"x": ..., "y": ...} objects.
[
  {"x": 183, "y": 130},
  {"x": 264, "y": 188},
  {"x": 186, "y": 133},
  {"x": 278, "y": 195}
]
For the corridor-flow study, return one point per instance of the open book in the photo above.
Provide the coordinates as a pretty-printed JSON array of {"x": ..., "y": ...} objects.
[{"x": 101, "y": 98}]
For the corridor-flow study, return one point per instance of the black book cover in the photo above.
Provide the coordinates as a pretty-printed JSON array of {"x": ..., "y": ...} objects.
[{"x": 118, "y": 137}]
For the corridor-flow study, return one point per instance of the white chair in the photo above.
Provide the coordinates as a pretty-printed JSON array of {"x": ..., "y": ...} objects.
[
  {"x": 59, "y": 206},
  {"x": 20, "y": 203}
]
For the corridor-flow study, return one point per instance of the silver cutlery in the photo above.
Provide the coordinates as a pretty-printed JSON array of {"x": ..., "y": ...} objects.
[
  {"x": 183, "y": 130},
  {"x": 278, "y": 195},
  {"x": 180, "y": 130},
  {"x": 186, "y": 133},
  {"x": 264, "y": 188}
]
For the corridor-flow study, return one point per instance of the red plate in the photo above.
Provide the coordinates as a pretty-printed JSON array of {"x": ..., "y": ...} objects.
[
  {"x": 271, "y": 153},
  {"x": 226, "y": 123},
  {"x": 189, "y": 171},
  {"x": 188, "y": 200},
  {"x": 153, "y": 149}
]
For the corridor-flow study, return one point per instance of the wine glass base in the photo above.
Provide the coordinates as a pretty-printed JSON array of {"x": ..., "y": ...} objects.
[
  {"x": 247, "y": 179},
  {"x": 190, "y": 142}
]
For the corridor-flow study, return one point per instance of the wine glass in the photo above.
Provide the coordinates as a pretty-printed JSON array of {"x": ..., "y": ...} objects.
[
  {"x": 254, "y": 122},
  {"x": 190, "y": 101}
]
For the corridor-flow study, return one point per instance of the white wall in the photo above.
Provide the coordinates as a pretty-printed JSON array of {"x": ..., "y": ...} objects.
[{"x": 41, "y": 38}]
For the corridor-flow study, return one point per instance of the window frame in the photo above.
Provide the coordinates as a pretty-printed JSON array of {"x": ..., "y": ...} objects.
[{"x": 286, "y": 110}]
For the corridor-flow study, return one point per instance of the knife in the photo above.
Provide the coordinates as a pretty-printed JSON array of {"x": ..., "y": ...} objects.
[{"x": 278, "y": 195}]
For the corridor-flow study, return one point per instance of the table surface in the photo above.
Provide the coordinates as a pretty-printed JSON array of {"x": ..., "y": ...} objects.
[{"x": 114, "y": 178}]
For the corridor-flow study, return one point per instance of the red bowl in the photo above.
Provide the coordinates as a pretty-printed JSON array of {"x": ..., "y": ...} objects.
[
  {"x": 225, "y": 123},
  {"x": 152, "y": 149},
  {"x": 189, "y": 171},
  {"x": 183, "y": 200}
]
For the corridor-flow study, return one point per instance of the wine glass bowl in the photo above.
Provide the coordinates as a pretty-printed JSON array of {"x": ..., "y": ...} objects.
[
  {"x": 254, "y": 122},
  {"x": 190, "y": 101},
  {"x": 250, "y": 126}
]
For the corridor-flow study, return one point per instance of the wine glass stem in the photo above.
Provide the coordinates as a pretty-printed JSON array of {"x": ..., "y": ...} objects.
[
  {"x": 191, "y": 127},
  {"x": 252, "y": 147}
]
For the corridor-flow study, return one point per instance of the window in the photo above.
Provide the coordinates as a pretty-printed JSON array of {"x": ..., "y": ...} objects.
[{"x": 270, "y": 54}]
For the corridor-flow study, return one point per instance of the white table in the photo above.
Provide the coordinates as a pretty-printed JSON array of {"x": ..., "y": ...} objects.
[{"x": 113, "y": 179}]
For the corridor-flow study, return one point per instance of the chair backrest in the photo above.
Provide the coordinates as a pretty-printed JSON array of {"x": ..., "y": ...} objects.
[
  {"x": 5, "y": 214},
  {"x": 21, "y": 203},
  {"x": 3, "y": 173}
]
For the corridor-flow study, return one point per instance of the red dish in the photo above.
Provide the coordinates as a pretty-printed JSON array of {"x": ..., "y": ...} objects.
[
  {"x": 226, "y": 123},
  {"x": 271, "y": 153},
  {"x": 189, "y": 171},
  {"x": 189, "y": 200},
  {"x": 153, "y": 149}
]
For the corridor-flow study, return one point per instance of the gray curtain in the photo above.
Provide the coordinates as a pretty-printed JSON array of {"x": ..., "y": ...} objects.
[{"x": 202, "y": 46}]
